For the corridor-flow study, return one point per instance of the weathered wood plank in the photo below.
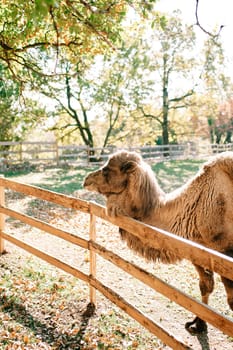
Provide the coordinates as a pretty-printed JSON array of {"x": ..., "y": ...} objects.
[
  {"x": 46, "y": 257},
  {"x": 145, "y": 321},
  {"x": 45, "y": 227},
  {"x": 61, "y": 199},
  {"x": 2, "y": 219},
  {"x": 92, "y": 257},
  {"x": 158, "y": 238},
  {"x": 203, "y": 311}
]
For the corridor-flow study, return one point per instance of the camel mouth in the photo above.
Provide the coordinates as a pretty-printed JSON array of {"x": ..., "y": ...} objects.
[
  {"x": 94, "y": 188},
  {"x": 106, "y": 193}
]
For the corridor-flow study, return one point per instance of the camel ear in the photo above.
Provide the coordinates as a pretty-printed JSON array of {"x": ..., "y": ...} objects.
[{"x": 128, "y": 166}]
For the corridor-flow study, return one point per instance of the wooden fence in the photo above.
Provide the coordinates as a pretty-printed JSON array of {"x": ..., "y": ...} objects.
[
  {"x": 55, "y": 154},
  {"x": 157, "y": 238}
]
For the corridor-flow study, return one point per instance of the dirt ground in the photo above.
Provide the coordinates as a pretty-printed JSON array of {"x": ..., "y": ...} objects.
[{"x": 168, "y": 314}]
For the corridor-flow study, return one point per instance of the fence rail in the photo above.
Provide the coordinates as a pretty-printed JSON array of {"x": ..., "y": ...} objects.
[
  {"x": 55, "y": 154},
  {"x": 155, "y": 237}
]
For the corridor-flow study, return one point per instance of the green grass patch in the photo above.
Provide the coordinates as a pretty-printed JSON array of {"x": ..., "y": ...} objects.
[
  {"x": 58, "y": 180},
  {"x": 175, "y": 173},
  {"x": 170, "y": 175}
]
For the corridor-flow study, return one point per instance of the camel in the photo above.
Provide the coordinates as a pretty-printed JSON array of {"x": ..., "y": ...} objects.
[{"x": 201, "y": 210}]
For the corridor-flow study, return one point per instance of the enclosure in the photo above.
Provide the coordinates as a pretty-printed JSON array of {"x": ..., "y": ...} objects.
[
  {"x": 24, "y": 154},
  {"x": 155, "y": 237}
]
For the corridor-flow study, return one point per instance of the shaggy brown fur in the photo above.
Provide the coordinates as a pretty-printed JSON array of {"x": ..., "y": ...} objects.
[{"x": 200, "y": 211}]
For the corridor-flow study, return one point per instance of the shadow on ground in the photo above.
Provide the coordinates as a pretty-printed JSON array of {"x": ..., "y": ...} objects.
[{"x": 48, "y": 331}]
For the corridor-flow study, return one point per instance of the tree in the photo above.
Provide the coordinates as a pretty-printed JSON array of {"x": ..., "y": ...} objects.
[
  {"x": 100, "y": 96},
  {"x": 14, "y": 114},
  {"x": 221, "y": 128},
  {"x": 215, "y": 93},
  {"x": 139, "y": 90},
  {"x": 18, "y": 116},
  {"x": 170, "y": 47},
  {"x": 36, "y": 34},
  {"x": 71, "y": 95},
  {"x": 88, "y": 100}
]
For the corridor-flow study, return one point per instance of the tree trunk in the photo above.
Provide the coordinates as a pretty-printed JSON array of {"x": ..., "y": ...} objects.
[
  {"x": 165, "y": 133},
  {"x": 211, "y": 128}
]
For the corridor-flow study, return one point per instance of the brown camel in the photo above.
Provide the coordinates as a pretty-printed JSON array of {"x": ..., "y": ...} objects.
[{"x": 201, "y": 210}]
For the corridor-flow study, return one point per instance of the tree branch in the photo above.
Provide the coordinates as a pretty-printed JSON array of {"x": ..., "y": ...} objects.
[
  {"x": 185, "y": 105},
  {"x": 57, "y": 35},
  {"x": 88, "y": 6},
  {"x": 202, "y": 28},
  {"x": 148, "y": 115},
  {"x": 102, "y": 35},
  {"x": 177, "y": 99}
]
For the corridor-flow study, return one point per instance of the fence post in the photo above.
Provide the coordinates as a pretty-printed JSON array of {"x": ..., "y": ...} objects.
[
  {"x": 92, "y": 257},
  {"x": 56, "y": 153},
  {"x": 2, "y": 217},
  {"x": 88, "y": 155},
  {"x": 20, "y": 152}
]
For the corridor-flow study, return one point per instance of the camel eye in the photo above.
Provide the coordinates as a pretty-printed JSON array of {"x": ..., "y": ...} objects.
[{"x": 105, "y": 171}]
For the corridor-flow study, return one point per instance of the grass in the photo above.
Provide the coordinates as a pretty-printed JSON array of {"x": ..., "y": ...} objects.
[
  {"x": 64, "y": 181},
  {"x": 175, "y": 173},
  {"x": 59, "y": 180},
  {"x": 170, "y": 175}
]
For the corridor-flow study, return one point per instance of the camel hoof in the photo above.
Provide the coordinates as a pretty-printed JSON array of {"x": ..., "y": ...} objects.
[{"x": 196, "y": 326}]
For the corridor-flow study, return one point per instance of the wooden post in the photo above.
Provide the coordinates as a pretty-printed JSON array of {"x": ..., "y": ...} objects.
[
  {"x": 2, "y": 218},
  {"x": 56, "y": 152},
  {"x": 20, "y": 152},
  {"x": 88, "y": 155},
  {"x": 92, "y": 257}
]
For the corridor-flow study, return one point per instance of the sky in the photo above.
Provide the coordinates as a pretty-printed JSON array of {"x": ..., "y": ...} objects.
[{"x": 212, "y": 14}]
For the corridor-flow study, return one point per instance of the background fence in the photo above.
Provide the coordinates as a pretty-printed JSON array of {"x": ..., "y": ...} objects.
[
  {"x": 152, "y": 236},
  {"x": 51, "y": 153}
]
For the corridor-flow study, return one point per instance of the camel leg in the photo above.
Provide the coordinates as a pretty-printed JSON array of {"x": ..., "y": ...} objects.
[
  {"x": 206, "y": 285},
  {"x": 228, "y": 284}
]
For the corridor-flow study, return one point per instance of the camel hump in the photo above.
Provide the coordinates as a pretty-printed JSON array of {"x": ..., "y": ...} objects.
[{"x": 223, "y": 161}]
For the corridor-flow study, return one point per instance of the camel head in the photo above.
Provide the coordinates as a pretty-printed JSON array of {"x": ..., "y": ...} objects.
[
  {"x": 128, "y": 183},
  {"x": 112, "y": 177}
]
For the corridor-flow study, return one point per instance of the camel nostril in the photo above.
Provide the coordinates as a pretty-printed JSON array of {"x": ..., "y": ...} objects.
[{"x": 86, "y": 182}]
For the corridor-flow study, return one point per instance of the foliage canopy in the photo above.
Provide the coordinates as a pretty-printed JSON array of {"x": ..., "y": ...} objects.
[
  {"x": 33, "y": 32},
  {"x": 147, "y": 87}
]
